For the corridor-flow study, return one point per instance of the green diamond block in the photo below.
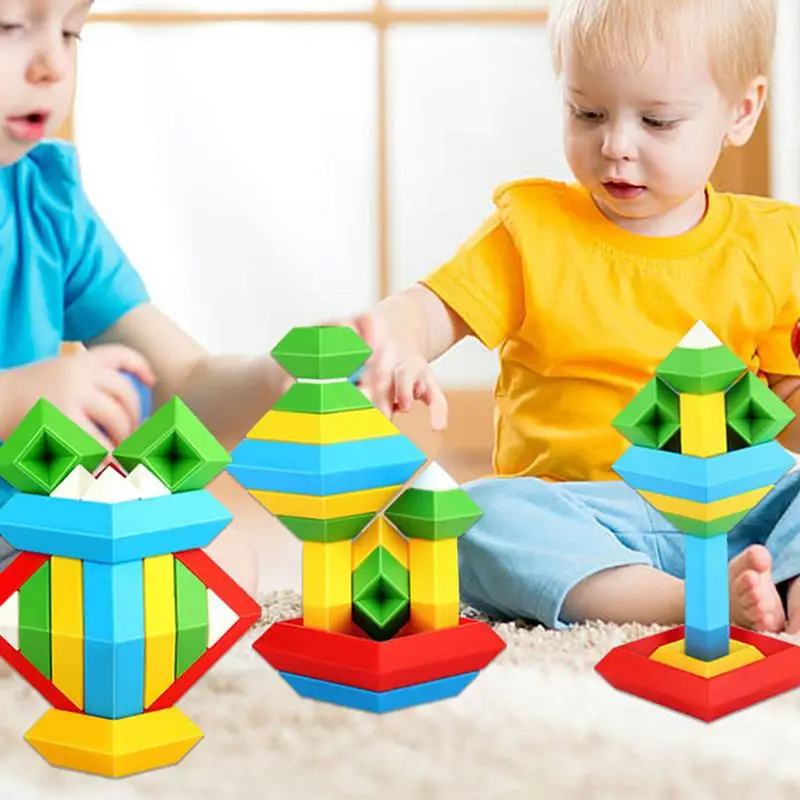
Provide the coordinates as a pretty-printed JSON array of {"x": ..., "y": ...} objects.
[
  {"x": 705, "y": 371},
  {"x": 755, "y": 414},
  {"x": 44, "y": 448},
  {"x": 322, "y": 398},
  {"x": 338, "y": 529},
  {"x": 652, "y": 418},
  {"x": 176, "y": 447},
  {"x": 321, "y": 352},
  {"x": 381, "y": 595},
  {"x": 433, "y": 515}
]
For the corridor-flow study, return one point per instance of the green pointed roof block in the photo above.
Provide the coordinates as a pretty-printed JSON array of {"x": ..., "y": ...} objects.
[
  {"x": 322, "y": 398},
  {"x": 433, "y": 515},
  {"x": 703, "y": 529},
  {"x": 700, "y": 371},
  {"x": 44, "y": 448},
  {"x": 176, "y": 447},
  {"x": 381, "y": 595},
  {"x": 321, "y": 352},
  {"x": 652, "y": 418},
  {"x": 338, "y": 529},
  {"x": 754, "y": 412}
]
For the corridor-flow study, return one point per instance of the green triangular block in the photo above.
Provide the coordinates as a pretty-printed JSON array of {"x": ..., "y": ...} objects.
[
  {"x": 704, "y": 371},
  {"x": 176, "y": 447},
  {"x": 191, "y": 618},
  {"x": 433, "y": 515},
  {"x": 652, "y": 418},
  {"x": 321, "y": 352},
  {"x": 381, "y": 595},
  {"x": 754, "y": 412},
  {"x": 338, "y": 529},
  {"x": 44, "y": 448},
  {"x": 697, "y": 527},
  {"x": 322, "y": 398}
]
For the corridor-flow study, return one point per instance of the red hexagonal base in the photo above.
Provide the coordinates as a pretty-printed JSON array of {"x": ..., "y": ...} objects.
[
  {"x": 630, "y": 669},
  {"x": 356, "y": 660}
]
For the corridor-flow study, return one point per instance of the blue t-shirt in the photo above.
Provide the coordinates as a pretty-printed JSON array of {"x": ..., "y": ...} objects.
[{"x": 63, "y": 277}]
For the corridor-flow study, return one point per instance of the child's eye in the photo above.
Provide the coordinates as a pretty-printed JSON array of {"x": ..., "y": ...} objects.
[
  {"x": 587, "y": 116},
  {"x": 659, "y": 124},
  {"x": 72, "y": 36},
  {"x": 8, "y": 27}
]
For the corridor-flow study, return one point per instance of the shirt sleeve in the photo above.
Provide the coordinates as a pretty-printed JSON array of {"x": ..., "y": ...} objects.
[
  {"x": 100, "y": 285},
  {"x": 483, "y": 283},
  {"x": 774, "y": 352}
]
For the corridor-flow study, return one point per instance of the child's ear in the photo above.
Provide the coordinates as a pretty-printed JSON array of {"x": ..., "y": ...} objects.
[{"x": 747, "y": 112}]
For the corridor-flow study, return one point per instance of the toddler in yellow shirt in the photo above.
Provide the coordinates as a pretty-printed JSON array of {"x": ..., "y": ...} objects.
[{"x": 585, "y": 288}]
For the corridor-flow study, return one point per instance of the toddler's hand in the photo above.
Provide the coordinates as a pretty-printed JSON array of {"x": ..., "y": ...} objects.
[{"x": 88, "y": 387}]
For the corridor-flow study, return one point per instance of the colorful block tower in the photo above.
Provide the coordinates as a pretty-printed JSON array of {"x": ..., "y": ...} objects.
[
  {"x": 704, "y": 455},
  {"x": 112, "y": 611},
  {"x": 380, "y": 628}
]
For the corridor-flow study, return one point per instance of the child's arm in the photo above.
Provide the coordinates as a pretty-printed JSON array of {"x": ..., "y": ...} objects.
[{"x": 228, "y": 393}]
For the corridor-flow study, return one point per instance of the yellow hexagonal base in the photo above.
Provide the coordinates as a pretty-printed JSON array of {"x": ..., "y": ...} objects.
[
  {"x": 739, "y": 655},
  {"x": 113, "y": 747}
]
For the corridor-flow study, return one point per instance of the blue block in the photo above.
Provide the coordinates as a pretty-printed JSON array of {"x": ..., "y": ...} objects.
[
  {"x": 703, "y": 480},
  {"x": 707, "y": 597},
  {"x": 113, "y": 603},
  {"x": 327, "y": 469},
  {"x": 112, "y": 532},
  {"x": 379, "y": 702}
]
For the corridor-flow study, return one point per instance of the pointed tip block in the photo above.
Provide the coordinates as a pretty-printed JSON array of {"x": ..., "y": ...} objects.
[
  {"x": 110, "y": 487},
  {"x": 322, "y": 352},
  {"x": 700, "y": 337},
  {"x": 44, "y": 448},
  {"x": 75, "y": 485},
  {"x": 176, "y": 447}
]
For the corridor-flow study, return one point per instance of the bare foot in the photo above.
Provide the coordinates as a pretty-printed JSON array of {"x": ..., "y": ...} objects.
[
  {"x": 793, "y": 607},
  {"x": 755, "y": 602}
]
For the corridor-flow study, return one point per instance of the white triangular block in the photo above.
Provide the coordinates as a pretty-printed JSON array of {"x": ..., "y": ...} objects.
[
  {"x": 221, "y": 618},
  {"x": 9, "y": 620},
  {"x": 75, "y": 485},
  {"x": 434, "y": 479},
  {"x": 146, "y": 484},
  {"x": 110, "y": 487},
  {"x": 700, "y": 337}
]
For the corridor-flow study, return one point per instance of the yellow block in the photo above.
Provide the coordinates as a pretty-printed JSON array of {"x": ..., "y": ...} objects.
[
  {"x": 327, "y": 585},
  {"x": 433, "y": 568},
  {"x": 66, "y": 620},
  {"x": 113, "y": 747},
  {"x": 703, "y": 424},
  {"x": 740, "y": 655},
  {"x": 341, "y": 426},
  {"x": 380, "y": 532},
  {"x": 159, "y": 626},
  {"x": 285, "y": 504},
  {"x": 706, "y": 512}
]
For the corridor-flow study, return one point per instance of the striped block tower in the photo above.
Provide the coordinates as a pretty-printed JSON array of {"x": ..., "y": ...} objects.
[
  {"x": 704, "y": 455},
  {"x": 112, "y": 611},
  {"x": 380, "y": 628}
]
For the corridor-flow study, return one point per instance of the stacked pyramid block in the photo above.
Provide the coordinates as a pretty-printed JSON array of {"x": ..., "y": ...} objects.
[
  {"x": 112, "y": 611},
  {"x": 704, "y": 455},
  {"x": 380, "y": 628}
]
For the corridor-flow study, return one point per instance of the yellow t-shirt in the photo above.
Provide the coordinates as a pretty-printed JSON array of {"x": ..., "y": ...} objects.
[{"x": 583, "y": 312}]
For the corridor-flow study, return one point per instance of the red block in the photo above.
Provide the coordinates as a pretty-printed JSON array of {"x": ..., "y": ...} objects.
[
  {"x": 231, "y": 593},
  {"x": 356, "y": 660},
  {"x": 630, "y": 669}
]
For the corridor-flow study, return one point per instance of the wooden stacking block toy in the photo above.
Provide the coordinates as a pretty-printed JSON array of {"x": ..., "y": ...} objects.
[
  {"x": 704, "y": 455},
  {"x": 380, "y": 628},
  {"x": 111, "y": 610}
]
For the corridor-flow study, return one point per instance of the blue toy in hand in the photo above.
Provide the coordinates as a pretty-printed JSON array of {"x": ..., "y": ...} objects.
[{"x": 145, "y": 395}]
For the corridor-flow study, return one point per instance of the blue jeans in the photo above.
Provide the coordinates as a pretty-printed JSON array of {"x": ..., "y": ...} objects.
[{"x": 537, "y": 540}]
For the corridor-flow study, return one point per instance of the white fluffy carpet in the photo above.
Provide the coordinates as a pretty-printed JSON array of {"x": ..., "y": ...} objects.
[{"x": 537, "y": 723}]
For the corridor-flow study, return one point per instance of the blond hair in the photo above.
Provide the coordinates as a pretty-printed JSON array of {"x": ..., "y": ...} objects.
[{"x": 738, "y": 34}]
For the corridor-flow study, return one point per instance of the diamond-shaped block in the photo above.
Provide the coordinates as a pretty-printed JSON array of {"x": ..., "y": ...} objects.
[
  {"x": 322, "y": 398},
  {"x": 176, "y": 447},
  {"x": 652, "y": 418},
  {"x": 321, "y": 352},
  {"x": 44, "y": 448},
  {"x": 381, "y": 595},
  {"x": 433, "y": 507},
  {"x": 755, "y": 414},
  {"x": 700, "y": 371}
]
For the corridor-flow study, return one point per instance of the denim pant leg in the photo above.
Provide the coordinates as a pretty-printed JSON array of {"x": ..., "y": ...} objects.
[{"x": 537, "y": 540}]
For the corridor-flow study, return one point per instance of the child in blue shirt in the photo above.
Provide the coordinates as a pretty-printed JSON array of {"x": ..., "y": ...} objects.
[{"x": 63, "y": 277}]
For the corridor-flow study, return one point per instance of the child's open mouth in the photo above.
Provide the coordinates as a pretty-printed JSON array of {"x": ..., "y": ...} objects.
[
  {"x": 623, "y": 191},
  {"x": 28, "y": 127}
]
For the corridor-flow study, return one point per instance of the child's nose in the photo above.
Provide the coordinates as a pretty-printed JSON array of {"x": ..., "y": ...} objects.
[
  {"x": 47, "y": 66},
  {"x": 618, "y": 144}
]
